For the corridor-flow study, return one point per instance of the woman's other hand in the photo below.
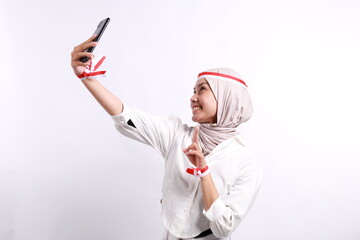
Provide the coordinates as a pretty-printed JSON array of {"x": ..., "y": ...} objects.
[{"x": 194, "y": 152}]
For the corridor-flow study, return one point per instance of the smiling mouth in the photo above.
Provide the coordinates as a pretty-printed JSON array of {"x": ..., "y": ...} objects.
[{"x": 196, "y": 109}]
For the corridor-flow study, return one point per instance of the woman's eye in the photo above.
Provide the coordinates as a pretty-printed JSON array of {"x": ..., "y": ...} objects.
[{"x": 201, "y": 89}]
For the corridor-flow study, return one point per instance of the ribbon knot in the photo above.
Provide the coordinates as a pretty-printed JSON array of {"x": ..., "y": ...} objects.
[
  {"x": 90, "y": 70},
  {"x": 198, "y": 172}
]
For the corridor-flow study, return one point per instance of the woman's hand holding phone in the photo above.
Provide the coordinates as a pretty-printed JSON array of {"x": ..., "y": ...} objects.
[
  {"x": 78, "y": 52},
  {"x": 82, "y": 53}
]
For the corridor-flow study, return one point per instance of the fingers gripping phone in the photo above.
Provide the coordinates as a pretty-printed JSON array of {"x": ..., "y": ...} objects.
[{"x": 99, "y": 31}]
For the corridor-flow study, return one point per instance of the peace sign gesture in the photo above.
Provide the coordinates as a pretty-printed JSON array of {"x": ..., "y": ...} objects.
[{"x": 194, "y": 152}]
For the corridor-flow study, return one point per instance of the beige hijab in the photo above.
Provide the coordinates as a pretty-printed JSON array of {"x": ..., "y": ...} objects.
[{"x": 234, "y": 107}]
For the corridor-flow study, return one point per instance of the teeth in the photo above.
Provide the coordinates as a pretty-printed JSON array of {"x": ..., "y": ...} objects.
[{"x": 196, "y": 108}]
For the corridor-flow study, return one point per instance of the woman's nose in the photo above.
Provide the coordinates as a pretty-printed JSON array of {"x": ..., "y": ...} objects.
[{"x": 193, "y": 98}]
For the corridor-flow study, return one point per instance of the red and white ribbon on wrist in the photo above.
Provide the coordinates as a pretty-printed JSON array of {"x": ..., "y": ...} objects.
[
  {"x": 198, "y": 172},
  {"x": 90, "y": 70}
]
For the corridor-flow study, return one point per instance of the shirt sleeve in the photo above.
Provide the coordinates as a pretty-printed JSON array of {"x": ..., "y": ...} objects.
[
  {"x": 152, "y": 130},
  {"x": 226, "y": 213}
]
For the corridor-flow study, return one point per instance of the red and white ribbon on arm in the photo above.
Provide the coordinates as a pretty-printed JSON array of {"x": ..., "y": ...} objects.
[
  {"x": 90, "y": 70},
  {"x": 198, "y": 172}
]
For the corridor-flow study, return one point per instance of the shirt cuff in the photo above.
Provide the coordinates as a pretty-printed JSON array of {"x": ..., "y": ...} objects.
[
  {"x": 215, "y": 211},
  {"x": 121, "y": 118}
]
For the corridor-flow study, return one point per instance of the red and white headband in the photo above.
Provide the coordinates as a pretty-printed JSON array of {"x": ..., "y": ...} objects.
[{"x": 222, "y": 77}]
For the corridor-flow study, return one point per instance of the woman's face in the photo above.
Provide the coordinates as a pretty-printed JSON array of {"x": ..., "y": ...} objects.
[{"x": 203, "y": 103}]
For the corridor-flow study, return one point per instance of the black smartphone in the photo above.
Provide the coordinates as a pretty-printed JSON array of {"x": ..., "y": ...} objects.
[{"x": 99, "y": 31}]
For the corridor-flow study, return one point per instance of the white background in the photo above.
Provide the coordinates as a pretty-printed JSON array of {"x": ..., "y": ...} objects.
[{"x": 66, "y": 174}]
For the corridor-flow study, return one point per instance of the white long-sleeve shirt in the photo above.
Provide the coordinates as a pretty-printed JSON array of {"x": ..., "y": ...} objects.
[{"x": 235, "y": 171}]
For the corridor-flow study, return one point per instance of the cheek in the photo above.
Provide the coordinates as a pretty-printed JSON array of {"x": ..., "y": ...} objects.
[
  {"x": 215, "y": 107},
  {"x": 212, "y": 104},
  {"x": 214, "y": 100},
  {"x": 213, "y": 112}
]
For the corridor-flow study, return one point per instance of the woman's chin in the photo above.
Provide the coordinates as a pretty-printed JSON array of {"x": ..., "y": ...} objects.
[{"x": 195, "y": 119}]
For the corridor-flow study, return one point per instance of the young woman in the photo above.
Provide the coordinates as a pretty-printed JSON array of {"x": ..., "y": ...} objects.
[{"x": 211, "y": 178}]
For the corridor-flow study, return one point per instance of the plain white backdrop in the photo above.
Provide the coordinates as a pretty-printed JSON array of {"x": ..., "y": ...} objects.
[{"x": 66, "y": 174}]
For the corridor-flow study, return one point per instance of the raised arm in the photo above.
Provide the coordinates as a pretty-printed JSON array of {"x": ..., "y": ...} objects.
[{"x": 107, "y": 100}]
